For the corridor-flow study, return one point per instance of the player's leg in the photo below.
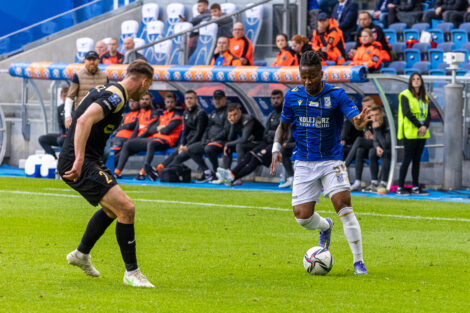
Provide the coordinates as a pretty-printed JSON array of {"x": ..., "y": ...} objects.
[{"x": 121, "y": 205}]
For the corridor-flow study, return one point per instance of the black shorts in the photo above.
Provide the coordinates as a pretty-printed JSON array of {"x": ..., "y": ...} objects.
[{"x": 94, "y": 182}]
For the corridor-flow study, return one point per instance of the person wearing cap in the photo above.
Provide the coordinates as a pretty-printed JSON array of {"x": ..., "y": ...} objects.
[
  {"x": 222, "y": 55},
  {"x": 130, "y": 57},
  {"x": 112, "y": 56},
  {"x": 88, "y": 77},
  {"x": 240, "y": 45},
  {"x": 328, "y": 39},
  {"x": 213, "y": 140}
]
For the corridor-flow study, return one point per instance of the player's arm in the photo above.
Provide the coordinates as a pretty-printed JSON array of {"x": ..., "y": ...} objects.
[
  {"x": 91, "y": 116},
  {"x": 360, "y": 121},
  {"x": 279, "y": 137}
]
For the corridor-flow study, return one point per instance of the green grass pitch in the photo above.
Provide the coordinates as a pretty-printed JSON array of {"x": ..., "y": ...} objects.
[{"x": 229, "y": 251}]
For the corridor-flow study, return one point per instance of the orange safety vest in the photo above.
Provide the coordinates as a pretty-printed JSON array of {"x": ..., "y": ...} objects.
[
  {"x": 145, "y": 118},
  {"x": 229, "y": 60},
  {"x": 128, "y": 118},
  {"x": 331, "y": 39},
  {"x": 242, "y": 48},
  {"x": 287, "y": 57},
  {"x": 384, "y": 54},
  {"x": 164, "y": 120},
  {"x": 370, "y": 55}
]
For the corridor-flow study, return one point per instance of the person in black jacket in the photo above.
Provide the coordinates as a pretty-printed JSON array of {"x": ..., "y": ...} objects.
[
  {"x": 345, "y": 12},
  {"x": 404, "y": 11},
  {"x": 365, "y": 21},
  {"x": 194, "y": 124},
  {"x": 445, "y": 10}
]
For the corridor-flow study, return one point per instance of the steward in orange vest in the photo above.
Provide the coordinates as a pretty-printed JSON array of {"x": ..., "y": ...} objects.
[
  {"x": 127, "y": 127},
  {"x": 369, "y": 55},
  {"x": 328, "y": 38},
  {"x": 222, "y": 55},
  {"x": 240, "y": 46},
  {"x": 286, "y": 57}
]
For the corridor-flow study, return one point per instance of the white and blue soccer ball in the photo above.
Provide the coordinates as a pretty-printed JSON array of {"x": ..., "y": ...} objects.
[{"x": 318, "y": 261}]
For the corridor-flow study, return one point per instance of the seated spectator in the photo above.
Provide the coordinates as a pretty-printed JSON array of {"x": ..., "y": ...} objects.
[
  {"x": 112, "y": 56},
  {"x": 300, "y": 45},
  {"x": 100, "y": 47},
  {"x": 345, "y": 12},
  {"x": 466, "y": 16},
  {"x": 160, "y": 135},
  {"x": 204, "y": 16},
  {"x": 349, "y": 134},
  {"x": 56, "y": 139},
  {"x": 445, "y": 10},
  {"x": 222, "y": 55},
  {"x": 130, "y": 57},
  {"x": 459, "y": 17},
  {"x": 381, "y": 11},
  {"x": 328, "y": 39},
  {"x": 327, "y": 5},
  {"x": 404, "y": 11},
  {"x": 369, "y": 53},
  {"x": 126, "y": 129},
  {"x": 286, "y": 56},
  {"x": 240, "y": 45},
  {"x": 224, "y": 26},
  {"x": 194, "y": 124},
  {"x": 365, "y": 21}
]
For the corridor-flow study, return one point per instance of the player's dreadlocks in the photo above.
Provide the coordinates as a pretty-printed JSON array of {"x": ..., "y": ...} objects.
[{"x": 311, "y": 58}]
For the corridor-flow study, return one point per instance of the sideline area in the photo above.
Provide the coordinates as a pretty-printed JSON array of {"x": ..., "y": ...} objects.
[{"x": 458, "y": 196}]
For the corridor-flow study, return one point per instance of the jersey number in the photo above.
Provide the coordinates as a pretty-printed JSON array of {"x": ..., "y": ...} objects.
[
  {"x": 108, "y": 180},
  {"x": 338, "y": 168}
]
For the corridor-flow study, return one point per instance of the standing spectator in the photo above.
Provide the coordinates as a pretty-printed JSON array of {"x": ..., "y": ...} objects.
[
  {"x": 88, "y": 77},
  {"x": 194, "y": 124},
  {"x": 444, "y": 10},
  {"x": 56, "y": 140},
  {"x": 404, "y": 11},
  {"x": 240, "y": 45},
  {"x": 204, "y": 15},
  {"x": 286, "y": 56},
  {"x": 365, "y": 21},
  {"x": 126, "y": 129},
  {"x": 345, "y": 12},
  {"x": 300, "y": 45},
  {"x": 413, "y": 124},
  {"x": 382, "y": 149},
  {"x": 112, "y": 56},
  {"x": 222, "y": 55},
  {"x": 225, "y": 25},
  {"x": 130, "y": 57},
  {"x": 328, "y": 39},
  {"x": 100, "y": 47},
  {"x": 369, "y": 53}
]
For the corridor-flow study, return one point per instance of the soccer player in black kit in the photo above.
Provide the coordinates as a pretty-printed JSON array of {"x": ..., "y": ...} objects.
[{"x": 80, "y": 165}]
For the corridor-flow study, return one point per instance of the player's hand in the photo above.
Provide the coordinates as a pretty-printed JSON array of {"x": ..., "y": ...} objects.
[
  {"x": 277, "y": 157},
  {"x": 75, "y": 172},
  {"x": 68, "y": 122},
  {"x": 343, "y": 142},
  {"x": 422, "y": 131},
  {"x": 363, "y": 118},
  {"x": 379, "y": 151}
]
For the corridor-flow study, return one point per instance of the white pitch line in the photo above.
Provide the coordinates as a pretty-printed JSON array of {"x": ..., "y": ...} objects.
[{"x": 429, "y": 218}]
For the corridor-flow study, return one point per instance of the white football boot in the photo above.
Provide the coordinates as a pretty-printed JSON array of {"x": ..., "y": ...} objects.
[
  {"x": 136, "y": 279},
  {"x": 83, "y": 261}
]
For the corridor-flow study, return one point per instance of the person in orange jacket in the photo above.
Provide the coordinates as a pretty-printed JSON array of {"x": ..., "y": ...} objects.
[
  {"x": 126, "y": 129},
  {"x": 240, "y": 45},
  {"x": 301, "y": 45},
  {"x": 328, "y": 39},
  {"x": 287, "y": 56},
  {"x": 369, "y": 53},
  {"x": 222, "y": 55}
]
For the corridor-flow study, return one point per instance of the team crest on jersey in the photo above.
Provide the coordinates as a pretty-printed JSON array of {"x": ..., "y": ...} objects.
[
  {"x": 339, "y": 177},
  {"x": 299, "y": 102},
  {"x": 327, "y": 102},
  {"x": 115, "y": 99}
]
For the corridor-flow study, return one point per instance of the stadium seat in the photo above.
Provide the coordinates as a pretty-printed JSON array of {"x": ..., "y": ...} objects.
[
  {"x": 461, "y": 72},
  {"x": 423, "y": 47},
  {"x": 350, "y": 45},
  {"x": 228, "y": 8},
  {"x": 399, "y": 66},
  {"x": 398, "y": 28},
  {"x": 399, "y": 48},
  {"x": 444, "y": 66},
  {"x": 459, "y": 37},
  {"x": 154, "y": 32},
  {"x": 106, "y": 41},
  {"x": 177, "y": 49},
  {"x": 436, "y": 56},
  {"x": 446, "y": 29},
  {"x": 173, "y": 11},
  {"x": 391, "y": 35},
  {"x": 465, "y": 27},
  {"x": 205, "y": 45},
  {"x": 195, "y": 11},
  {"x": 423, "y": 66},
  {"x": 437, "y": 72},
  {"x": 420, "y": 26},
  {"x": 409, "y": 71},
  {"x": 129, "y": 28},
  {"x": 260, "y": 63},
  {"x": 437, "y": 35},
  {"x": 162, "y": 52},
  {"x": 252, "y": 23},
  {"x": 84, "y": 45},
  {"x": 446, "y": 46},
  {"x": 466, "y": 46},
  {"x": 411, "y": 34},
  {"x": 412, "y": 56},
  {"x": 466, "y": 66},
  {"x": 388, "y": 70},
  {"x": 150, "y": 13}
]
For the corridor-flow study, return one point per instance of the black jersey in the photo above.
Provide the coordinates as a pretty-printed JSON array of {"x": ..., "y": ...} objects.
[{"x": 111, "y": 97}]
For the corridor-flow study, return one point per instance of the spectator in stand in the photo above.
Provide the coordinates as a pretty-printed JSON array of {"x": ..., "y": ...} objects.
[
  {"x": 365, "y": 21},
  {"x": 381, "y": 11},
  {"x": 161, "y": 134},
  {"x": 328, "y": 39},
  {"x": 126, "y": 129},
  {"x": 300, "y": 45},
  {"x": 222, "y": 55},
  {"x": 445, "y": 10},
  {"x": 286, "y": 56},
  {"x": 466, "y": 16},
  {"x": 369, "y": 53},
  {"x": 224, "y": 26},
  {"x": 88, "y": 77},
  {"x": 349, "y": 134},
  {"x": 194, "y": 124},
  {"x": 56, "y": 140},
  {"x": 112, "y": 56},
  {"x": 326, "y": 6},
  {"x": 204, "y": 15},
  {"x": 404, "y": 11},
  {"x": 213, "y": 140},
  {"x": 130, "y": 57},
  {"x": 100, "y": 47},
  {"x": 459, "y": 17},
  {"x": 345, "y": 12},
  {"x": 240, "y": 45}
]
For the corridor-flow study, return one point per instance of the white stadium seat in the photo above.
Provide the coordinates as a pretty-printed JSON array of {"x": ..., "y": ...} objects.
[
  {"x": 205, "y": 45},
  {"x": 162, "y": 52},
  {"x": 252, "y": 23},
  {"x": 228, "y": 8},
  {"x": 173, "y": 11},
  {"x": 176, "y": 54},
  {"x": 84, "y": 45},
  {"x": 129, "y": 28},
  {"x": 150, "y": 12}
]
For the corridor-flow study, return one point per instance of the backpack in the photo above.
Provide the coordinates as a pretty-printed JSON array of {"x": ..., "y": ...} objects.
[{"x": 176, "y": 174}]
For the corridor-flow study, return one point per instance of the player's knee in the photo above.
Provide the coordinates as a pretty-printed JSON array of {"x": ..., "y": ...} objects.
[
  {"x": 127, "y": 211},
  {"x": 303, "y": 211}
]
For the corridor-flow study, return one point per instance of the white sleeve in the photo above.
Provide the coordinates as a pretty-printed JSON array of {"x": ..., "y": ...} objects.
[{"x": 68, "y": 107}]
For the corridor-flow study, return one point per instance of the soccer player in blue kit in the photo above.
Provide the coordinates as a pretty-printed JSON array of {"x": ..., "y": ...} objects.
[{"x": 316, "y": 111}]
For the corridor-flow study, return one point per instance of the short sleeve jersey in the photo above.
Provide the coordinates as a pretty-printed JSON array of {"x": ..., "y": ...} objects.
[
  {"x": 317, "y": 121},
  {"x": 111, "y": 97}
]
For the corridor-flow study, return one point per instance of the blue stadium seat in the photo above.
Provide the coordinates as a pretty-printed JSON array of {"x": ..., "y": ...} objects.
[
  {"x": 349, "y": 45},
  {"x": 436, "y": 56},
  {"x": 409, "y": 71},
  {"x": 437, "y": 35},
  {"x": 461, "y": 72},
  {"x": 424, "y": 6},
  {"x": 399, "y": 66},
  {"x": 412, "y": 56},
  {"x": 399, "y": 48},
  {"x": 446, "y": 29},
  {"x": 252, "y": 23},
  {"x": 162, "y": 52},
  {"x": 173, "y": 11},
  {"x": 205, "y": 45},
  {"x": 411, "y": 34},
  {"x": 129, "y": 28},
  {"x": 420, "y": 26},
  {"x": 437, "y": 72},
  {"x": 177, "y": 50},
  {"x": 154, "y": 32},
  {"x": 391, "y": 35},
  {"x": 466, "y": 46},
  {"x": 444, "y": 66},
  {"x": 379, "y": 24},
  {"x": 465, "y": 27},
  {"x": 423, "y": 47},
  {"x": 446, "y": 46},
  {"x": 423, "y": 66},
  {"x": 459, "y": 37},
  {"x": 398, "y": 28},
  {"x": 84, "y": 45},
  {"x": 466, "y": 66},
  {"x": 388, "y": 70}
]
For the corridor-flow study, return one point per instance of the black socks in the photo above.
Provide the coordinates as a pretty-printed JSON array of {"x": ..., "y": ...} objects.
[
  {"x": 126, "y": 240},
  {"x": 94, "y": 230}
]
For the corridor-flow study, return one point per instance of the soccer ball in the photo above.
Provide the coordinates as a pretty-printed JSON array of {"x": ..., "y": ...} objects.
[{"x": 318, "y": 261}]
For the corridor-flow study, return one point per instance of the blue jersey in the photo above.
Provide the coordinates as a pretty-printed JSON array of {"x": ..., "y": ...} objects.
[{"x": 317, "y": 121}]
